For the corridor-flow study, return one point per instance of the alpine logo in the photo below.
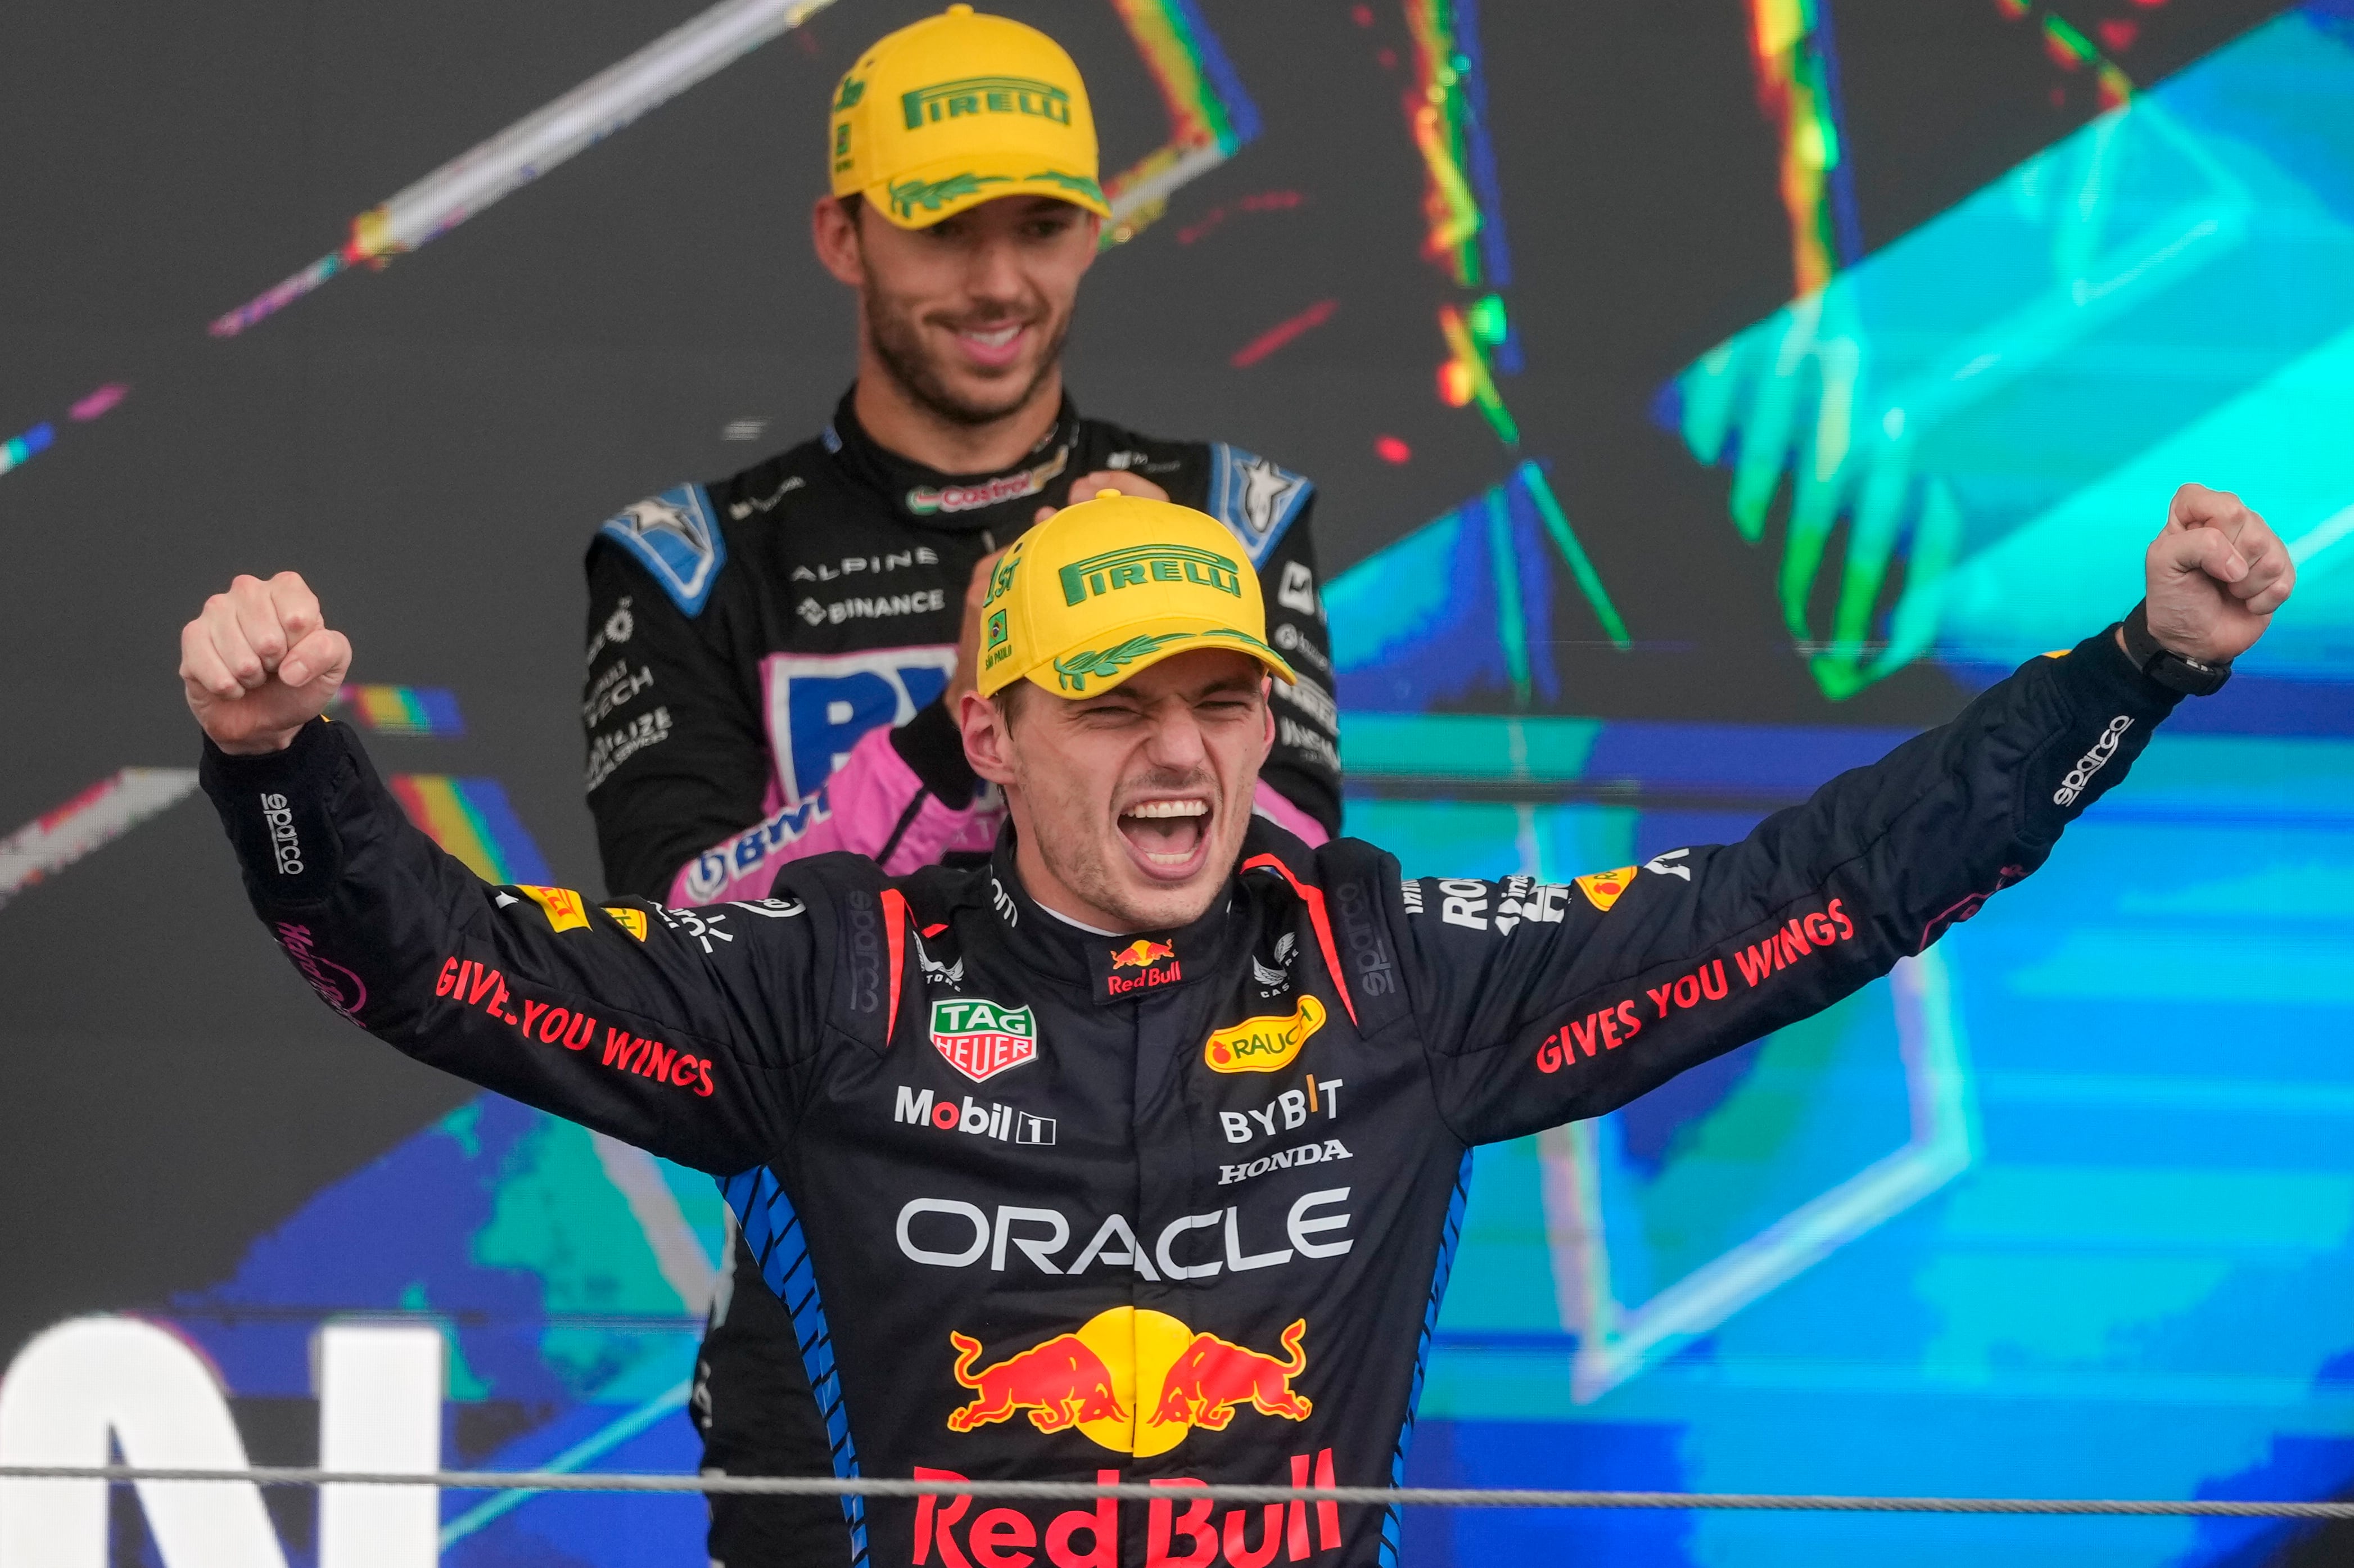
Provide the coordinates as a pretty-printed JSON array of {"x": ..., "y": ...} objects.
[
  {"x": 981, "y": 1039},
  {"x": 2080, "y": 778}
]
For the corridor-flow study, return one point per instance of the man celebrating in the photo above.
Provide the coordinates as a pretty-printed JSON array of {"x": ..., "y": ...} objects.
[
  {"x": 1140, "y": 1153},
  {"x": 774, "y": 662}
]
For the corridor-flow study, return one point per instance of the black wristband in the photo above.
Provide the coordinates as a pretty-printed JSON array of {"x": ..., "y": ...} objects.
[{"x": 2192, "y": 677}]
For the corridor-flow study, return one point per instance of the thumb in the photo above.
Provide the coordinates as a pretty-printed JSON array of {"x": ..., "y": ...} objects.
[
  {"x": 322, "y": 658},
  {"x": 2198, "y": 549}
]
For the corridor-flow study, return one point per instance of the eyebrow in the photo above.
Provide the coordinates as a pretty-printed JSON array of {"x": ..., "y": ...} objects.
[{"x": 1121, "y": 696}]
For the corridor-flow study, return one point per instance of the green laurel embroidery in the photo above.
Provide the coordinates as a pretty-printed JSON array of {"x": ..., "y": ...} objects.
[
  {"x": 1244, "y": 637},
  {"x": 1085, "y": 187},
  {"x": 853, "y": 90},
  {"x": 1072, "y": 674},
  {"x": 909, "y": 195}
]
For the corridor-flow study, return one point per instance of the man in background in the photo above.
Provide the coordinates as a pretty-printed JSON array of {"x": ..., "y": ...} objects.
[{"x": 775, "y": 659}]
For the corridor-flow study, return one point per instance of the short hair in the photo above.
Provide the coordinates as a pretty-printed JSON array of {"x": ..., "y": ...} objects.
[
  {"x": 850, "y": 206},
  {"x": 1003, "y": 700}
]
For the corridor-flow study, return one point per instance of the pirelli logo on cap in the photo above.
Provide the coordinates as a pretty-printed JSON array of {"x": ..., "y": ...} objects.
[
  {"x": 1141, "y": 563},
  {"x": 985, "y": 95}
]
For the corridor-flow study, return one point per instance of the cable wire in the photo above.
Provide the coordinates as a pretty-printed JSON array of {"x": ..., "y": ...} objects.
[{"x": 1086, "y": 1491}]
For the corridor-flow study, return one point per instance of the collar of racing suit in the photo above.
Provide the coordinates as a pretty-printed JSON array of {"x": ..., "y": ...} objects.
[
  {"x": 1123, "y": 968},
  {"x": 1002, "y": 503}
]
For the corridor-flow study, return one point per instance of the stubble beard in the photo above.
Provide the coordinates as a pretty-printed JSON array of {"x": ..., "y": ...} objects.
[
  {"x": 898, "y": 343},
  {"x": 1091, "y": 866}
]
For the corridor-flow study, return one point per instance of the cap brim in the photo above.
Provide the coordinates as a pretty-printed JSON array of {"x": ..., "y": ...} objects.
[
  {"x": 1111, "y": 657},
  {"x": 925, "y": 195}
]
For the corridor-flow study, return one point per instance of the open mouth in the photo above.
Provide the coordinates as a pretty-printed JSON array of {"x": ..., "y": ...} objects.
[
  {"x": 1170, "y": 836},
  {"x": 993, "y": 345}
]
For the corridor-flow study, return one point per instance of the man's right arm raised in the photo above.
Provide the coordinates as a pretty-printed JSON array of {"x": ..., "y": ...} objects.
[{"x": 673, "y": 1029}]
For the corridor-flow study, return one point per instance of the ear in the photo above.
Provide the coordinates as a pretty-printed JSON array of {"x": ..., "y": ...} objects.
[
  {"x": 1266, "y": 712},
  {"x": 987, "y": 744},
  {"x": 834, "y": 235}
]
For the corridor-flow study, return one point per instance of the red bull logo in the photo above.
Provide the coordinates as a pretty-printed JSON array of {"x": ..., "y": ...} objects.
[
  {"x": 1088, "y": 1379},
  {"x": 1060, "y": 1384},
  {"x": 1141, "y": 954},
  {"x": 1179, "y": 1531},
  {"x": 1215, "y": 1375}
]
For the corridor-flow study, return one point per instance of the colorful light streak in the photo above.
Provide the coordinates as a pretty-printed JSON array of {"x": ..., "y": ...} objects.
[
  {"x": 17, "y": 450},
  {"x": 1212, "y": 114},
  {"x": 2072, "y": 51},
  {"x": 403, "y": 710},
  {"x": 1798, "y": 87},
  {"x": 1282, "y": 333},
  {"x": 481, "y": 177},
  {"x": 105, "y": 812},
  {"x": 1447, "y": 110},
  {"x": 1467, "y": 375},
  {"x": 1463, "y": 209},
  {"x": 471, "y": 819}
]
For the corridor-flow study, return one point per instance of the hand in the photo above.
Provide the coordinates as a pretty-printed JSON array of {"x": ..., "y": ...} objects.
[
  {"x": 968, "y": 664},
  {"x": 260, "y": 663},
  {"x": 1084, "y": 488},
  {"x": 2215, "y": 575}
]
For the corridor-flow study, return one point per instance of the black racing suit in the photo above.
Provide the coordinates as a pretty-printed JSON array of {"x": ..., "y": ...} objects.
[
  {"x": 1053, "y": 1205},
  {"x": 765, "y": 658}
]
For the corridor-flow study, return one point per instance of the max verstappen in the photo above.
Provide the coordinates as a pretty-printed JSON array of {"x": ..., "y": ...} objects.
[
  {"x": 1140, "y": 1153},
  {"x": 775, "y": 663}
]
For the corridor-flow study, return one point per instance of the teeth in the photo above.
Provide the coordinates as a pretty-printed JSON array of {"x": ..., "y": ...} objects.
[
  {"x": 1170, "y": 808},
  {"x": 1168, "y": 859},
  {"x": 995, "y": 337}
]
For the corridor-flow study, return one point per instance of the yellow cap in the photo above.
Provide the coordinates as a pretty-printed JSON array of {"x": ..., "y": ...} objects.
[
  {"x": 1111, "y": 586},
  {"x": 960, "y": 109}
]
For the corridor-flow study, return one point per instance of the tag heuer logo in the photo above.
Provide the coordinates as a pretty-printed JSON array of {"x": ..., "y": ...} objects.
[{"x": 981, "y": 1039}]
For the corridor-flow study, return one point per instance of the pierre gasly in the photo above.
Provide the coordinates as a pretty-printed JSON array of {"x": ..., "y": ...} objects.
[
  {"x": 765, "y": 659},
  {"x": 765, "y": 653},
  {"x": 1171, "y": 1206}
]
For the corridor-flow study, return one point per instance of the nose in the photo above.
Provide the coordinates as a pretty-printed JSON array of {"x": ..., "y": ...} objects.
[
  {"x": 994, "y": 272},
  {"x": 1175, "y": 743}
]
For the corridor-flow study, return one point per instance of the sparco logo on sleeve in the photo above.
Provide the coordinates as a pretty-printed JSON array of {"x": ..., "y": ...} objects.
[
  {"x": 2080, "y": 777},
  {"x": 279, "y": 819},
  {"x": 862, "y": 952}
]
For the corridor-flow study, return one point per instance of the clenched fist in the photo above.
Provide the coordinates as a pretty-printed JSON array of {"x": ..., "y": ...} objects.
[
  {"x": 2215, "y": 574},
  {"x": 260, "y": 663}
]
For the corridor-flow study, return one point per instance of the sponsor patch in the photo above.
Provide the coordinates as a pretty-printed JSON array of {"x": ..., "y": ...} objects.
[
  {"x": 1255, "y": 498},
  {"x": 1602, "y": 888},
  {"x": 1267, "y": 1044},
  {"x": 567, "y": 910},
  {"x": 923, "y": 499},
  {"x": 2080, "y": 778},
  {"x": 675, "y": 537},
  {"x": 821, "y": 705},
  {"x": 633, "y": 921},
  {"x": 981, "y": 1039}
]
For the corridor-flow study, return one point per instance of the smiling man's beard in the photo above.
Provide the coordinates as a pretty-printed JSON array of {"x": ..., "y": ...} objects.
[{"x": 899, "y": 344}]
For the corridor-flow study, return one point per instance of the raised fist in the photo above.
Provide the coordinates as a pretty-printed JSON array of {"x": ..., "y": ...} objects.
[
  {"x": 2215, "y": 574},
  {"x": 259, "y": 663}
]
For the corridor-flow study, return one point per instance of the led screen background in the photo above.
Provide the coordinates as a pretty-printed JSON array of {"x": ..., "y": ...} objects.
[{"x": 1704, "y": 396}]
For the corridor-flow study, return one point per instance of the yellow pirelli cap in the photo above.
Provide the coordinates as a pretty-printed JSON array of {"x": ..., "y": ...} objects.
[
  {"x": 1109, "y": 587},
  {"x": 960, "y": 109}
]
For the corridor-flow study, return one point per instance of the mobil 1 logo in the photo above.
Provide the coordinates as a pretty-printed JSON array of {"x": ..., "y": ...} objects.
[{"x": 919, "y": 1108}]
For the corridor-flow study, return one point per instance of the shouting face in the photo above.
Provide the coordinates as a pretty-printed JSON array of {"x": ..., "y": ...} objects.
[
  {"x": 1130, "y": 804},
  {"x": 969, "y": 315}
]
